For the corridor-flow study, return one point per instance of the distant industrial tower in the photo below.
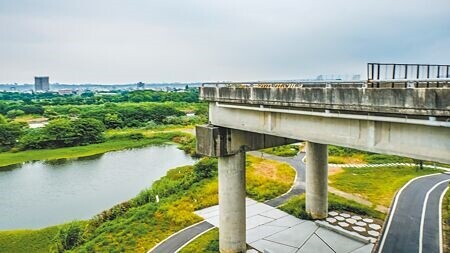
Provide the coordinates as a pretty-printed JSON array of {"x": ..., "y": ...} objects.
[{"x": 41, "y": 83}]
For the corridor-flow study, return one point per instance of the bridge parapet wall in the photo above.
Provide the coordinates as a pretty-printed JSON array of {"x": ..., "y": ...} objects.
[{"x": 418, "y": 101}]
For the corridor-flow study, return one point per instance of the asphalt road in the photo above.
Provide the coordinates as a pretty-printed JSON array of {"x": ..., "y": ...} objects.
[
  {"x": 414, "y": 222},
  {"x": 177, "y": 240}
]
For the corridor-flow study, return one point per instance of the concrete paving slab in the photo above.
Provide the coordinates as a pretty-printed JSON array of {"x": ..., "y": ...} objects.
[
  {"x": 272, "y": 247},
  {"x": 261, "y": 232},
  {"x": 294, "y": 236},
  {"x": 257, "y": 209},
  {"x": 274, "y": 214},
  {"x": 315, "y": 244},
  {"x": 214, "y": 220},
  {"x": 257, "y": 220},
  {"x": 287, "y": 221},
  {"x": 207, "y": 210},
  {"x": 364, "y": 249},
  {"x": 339, "y": 243}
]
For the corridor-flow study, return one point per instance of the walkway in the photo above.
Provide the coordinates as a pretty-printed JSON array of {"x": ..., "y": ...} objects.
[
  {"x": 272, "y": 230},
  {"x": 414, "y": 224}
]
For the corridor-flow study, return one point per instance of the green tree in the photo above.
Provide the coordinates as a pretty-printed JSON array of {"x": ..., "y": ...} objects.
[
  {"x": 113, "y": 120},
  {"x": 14, "y": 113},
  {"x": 88, "y": 131},
  {"x": 9, "y": 133}
]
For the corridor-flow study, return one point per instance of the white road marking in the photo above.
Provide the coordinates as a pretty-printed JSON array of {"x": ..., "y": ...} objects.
[
  {"x": 394, "y": 206},
  {"x": 441, "y": 247},
  {"x": 424, "y": 208},
  {"x": 195, "y": 237}
]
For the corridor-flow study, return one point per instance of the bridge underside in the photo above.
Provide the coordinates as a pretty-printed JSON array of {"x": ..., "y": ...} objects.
[{"x": 419, "y": 141}]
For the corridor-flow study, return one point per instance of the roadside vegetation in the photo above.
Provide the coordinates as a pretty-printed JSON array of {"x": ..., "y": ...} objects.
[
  {"x": 446, "y": 221},
  {"x": 378, "y": 184},
  {"x": 206, "y": 243},
  {"x": 296, "y": 206}
]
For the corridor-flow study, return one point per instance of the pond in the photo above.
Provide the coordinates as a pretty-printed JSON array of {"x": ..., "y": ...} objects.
[{"x": 40, "y": 194}]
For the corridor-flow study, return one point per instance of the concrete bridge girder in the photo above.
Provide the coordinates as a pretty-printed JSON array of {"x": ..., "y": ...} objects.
[{"x": 418, "y": 141}]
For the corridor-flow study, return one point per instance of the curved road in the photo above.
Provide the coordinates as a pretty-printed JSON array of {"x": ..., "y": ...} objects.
[
  {"x": 414, "y": 222},
  {"x": 179, "y": 239}
]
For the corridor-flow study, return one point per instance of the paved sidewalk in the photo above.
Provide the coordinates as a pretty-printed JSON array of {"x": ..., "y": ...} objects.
[{"x": 273, "y": 230}]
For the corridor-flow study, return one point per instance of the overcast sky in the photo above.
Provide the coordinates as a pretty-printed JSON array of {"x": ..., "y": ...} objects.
[{"x": 108, "y": 41}]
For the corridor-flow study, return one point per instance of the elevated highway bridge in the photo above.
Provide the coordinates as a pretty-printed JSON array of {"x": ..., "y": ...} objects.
[{"x": 406, "y": 117}]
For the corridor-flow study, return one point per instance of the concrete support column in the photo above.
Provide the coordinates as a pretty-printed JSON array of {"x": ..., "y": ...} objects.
[
  {"x": 316, "y": 180},
  {"x": 232, "y": 203}
]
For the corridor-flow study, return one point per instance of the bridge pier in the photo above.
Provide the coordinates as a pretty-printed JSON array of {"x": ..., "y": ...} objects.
[
  {"x": 230, "y": 145},
  {"x": 232, "y": 193},
  {"x": 317, "y": 180}
]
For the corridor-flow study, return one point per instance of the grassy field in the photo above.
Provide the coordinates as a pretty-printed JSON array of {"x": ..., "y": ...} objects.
[
  {"x": 112, "y": 144},
  {"x": 446, "y": 221},
  {"x": 286, "y": 150},
  {"x": 341, "y": 155},
  {"x": 31, "y": 241},
  {"x": 139, "y": 224},
  {"x": 267, "y": 179},
  {"x": 206, "y": 243},
  {"x": 378, "y": 185},
  {"x": 296, "y": 207}
]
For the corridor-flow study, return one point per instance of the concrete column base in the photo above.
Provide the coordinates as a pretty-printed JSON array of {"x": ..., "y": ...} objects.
[
  {"x": 232, "y": 203},
  {"x": 317, "y": 180}
]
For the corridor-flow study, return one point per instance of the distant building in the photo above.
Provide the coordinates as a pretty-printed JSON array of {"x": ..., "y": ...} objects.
[
  {"x": 140, "y": 85},
  {"x": 41, "y": 83}
]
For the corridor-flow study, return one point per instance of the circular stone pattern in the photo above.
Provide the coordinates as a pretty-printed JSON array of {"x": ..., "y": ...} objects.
[
  {"x": 343, "y": 224},
  {"x": 358, "y": 229},
  {"x": 331, "y": 220},
  {"x": 357, "y": 217},
  {"x": 350, "y": 220},
  {"x": 345, "y": 215},
  {"x": 375, "y": 226},
  {"x": 333, "y": 213},
  {"x": 368, "y": 220},
  {"x": 373, "y": 233},
  {"x": 361, "y": 224},
  {"x": 339, "y": 218}
]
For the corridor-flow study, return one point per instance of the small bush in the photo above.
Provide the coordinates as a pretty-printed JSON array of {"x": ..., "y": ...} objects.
[
  {"x": 206, "y": 168},
  {"x": 69, "y": 236}
]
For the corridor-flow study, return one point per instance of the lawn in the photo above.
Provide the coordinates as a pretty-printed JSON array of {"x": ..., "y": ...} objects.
[
  {"x": 267, "y": 179},
  {"x": 285, "y": 151},
  {"x": 31, "y": 241},
  {"x": 341, "y": 155},
  {"x": 378, "y": 185},
  {"x": 296, "y": 206},
  {"x": 112, "y": 144}
]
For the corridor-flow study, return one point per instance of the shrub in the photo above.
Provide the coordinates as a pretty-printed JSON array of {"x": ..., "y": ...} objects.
[
  {"x": 206, "y": 168},
  {"x": 69, "y": 236}
]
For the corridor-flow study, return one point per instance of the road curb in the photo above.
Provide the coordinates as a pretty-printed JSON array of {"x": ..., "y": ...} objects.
[{"x": 344, "y": 232}]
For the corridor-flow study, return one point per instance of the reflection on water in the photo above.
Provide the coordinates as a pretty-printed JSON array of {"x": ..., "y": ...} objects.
[{"x": 40, "y": 194}]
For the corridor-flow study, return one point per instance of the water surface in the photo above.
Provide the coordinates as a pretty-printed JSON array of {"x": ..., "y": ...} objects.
[{"x": 40, "y": 194}]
